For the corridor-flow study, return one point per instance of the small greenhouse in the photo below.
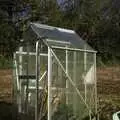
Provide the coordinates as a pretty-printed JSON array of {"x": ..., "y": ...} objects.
[{"x": 55, "y": 75}]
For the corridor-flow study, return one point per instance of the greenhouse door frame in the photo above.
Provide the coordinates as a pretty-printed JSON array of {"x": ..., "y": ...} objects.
[{"x": 37, "y": 79}]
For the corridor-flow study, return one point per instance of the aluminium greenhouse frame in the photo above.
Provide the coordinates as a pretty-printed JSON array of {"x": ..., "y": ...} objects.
[{"x": 48, "y": 72}]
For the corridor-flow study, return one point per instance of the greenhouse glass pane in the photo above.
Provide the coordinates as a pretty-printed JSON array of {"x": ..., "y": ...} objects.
[
  {"x": 24, "y": 68},
  {"x": 73, "y": 63},
  {"x": 56, "y": 34},
  {"x": 65, "y": 101}
]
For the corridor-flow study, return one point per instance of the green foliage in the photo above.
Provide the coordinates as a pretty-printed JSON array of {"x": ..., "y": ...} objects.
[
  {"x": 5, "y": 63},
  {"x": 7, "y": 39},
  {"x": 96, "y": 21}
]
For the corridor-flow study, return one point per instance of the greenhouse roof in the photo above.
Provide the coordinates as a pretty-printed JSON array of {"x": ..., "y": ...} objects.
[{"x": 59, "y": 37}]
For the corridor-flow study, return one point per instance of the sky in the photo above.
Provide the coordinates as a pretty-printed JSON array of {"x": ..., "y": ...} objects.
[
  {"x": 62, "y": 4},
  {"x": 60, "y": 1}
]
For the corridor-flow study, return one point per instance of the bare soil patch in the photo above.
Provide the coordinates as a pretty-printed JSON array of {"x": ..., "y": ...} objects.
[
  {"x": 6, "y": 85},
  {"x": 108, "y": 85}
]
